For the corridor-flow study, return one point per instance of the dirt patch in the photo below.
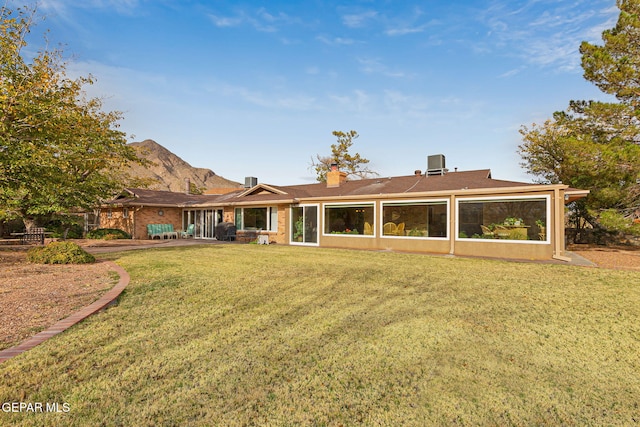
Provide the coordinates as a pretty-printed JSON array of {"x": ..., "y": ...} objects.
[
  {"x": 34, "y": 297},
  {"x": 620, "y": 257}
]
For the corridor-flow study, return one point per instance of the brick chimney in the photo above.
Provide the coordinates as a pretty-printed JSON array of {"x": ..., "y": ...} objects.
[
  {"x": 187, "y": 186},
  {"x": 334, "y": 177}
]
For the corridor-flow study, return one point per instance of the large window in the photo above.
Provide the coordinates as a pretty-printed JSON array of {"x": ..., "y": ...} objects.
[
  {"x": 504, "y": 219},
  {"x": 415, "y": 219},
  {"x": 304, "y": 224},
  {"x": 349, "y": 219},
  {"x": 257, "y": 218}
]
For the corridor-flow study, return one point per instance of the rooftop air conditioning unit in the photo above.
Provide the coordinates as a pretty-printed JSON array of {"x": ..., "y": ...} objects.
[
  {"x": 436, "y": 165},
  {"x": 250, "y": 181}
]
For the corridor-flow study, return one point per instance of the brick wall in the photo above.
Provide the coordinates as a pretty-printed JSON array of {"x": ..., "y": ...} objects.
[
  {"x": 151, "y": 215},
  {"x": 114, "y": 218}
]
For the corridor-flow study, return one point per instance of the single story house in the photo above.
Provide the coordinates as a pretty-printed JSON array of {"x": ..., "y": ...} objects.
[{"x": 460, "y": 213}]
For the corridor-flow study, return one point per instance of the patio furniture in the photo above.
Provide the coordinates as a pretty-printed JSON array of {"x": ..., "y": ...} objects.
[
  {"x": 33, "y": 235},
  {"x": 226, "y": 231},
  {"x": 389, "y": 229},
  {"x": 400, "y": 229},
  {"x": 188, "y": 232},
  {"x": 251, "y": 234},
  {"x": 368, "y": 230},
  {"x": 486, "y": 232},
  {"x": 161, "y": 231}
]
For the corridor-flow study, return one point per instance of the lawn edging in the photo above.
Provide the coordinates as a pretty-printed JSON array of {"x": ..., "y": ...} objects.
[{"x": 64, "y": 324}]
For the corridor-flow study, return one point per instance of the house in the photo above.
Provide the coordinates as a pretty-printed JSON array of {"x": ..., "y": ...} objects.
[{"x": 462, "y": 213}]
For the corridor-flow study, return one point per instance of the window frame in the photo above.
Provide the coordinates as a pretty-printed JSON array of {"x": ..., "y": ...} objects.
[
  {"x": 370, "y": 204},
  {"x": 318, "y": 222},
  {"x": 271, "y": 213},
  {"x": 424, "y": 202},
  {"x": 545, "y": 197}
]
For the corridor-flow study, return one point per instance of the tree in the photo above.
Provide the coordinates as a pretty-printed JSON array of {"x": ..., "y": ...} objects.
[
  {"x": 615, "y": 66},
  {"x": 354, "y": 165},
  {"x": 58, "y": 149},
  {"x": 596, "y": 145}
]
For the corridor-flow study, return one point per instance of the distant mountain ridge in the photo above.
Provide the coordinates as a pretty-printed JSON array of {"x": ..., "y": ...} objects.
[{"x": 169, "y": 172}]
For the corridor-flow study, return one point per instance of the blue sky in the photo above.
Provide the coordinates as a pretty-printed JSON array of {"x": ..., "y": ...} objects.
[{"x": 254, "y": 88}]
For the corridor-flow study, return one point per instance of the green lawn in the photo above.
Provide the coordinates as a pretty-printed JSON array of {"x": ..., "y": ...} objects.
[{"x": 276, "y": 335}]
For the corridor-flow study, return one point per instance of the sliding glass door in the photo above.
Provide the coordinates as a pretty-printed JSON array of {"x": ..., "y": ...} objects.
[{"x": 304, "y": 225}]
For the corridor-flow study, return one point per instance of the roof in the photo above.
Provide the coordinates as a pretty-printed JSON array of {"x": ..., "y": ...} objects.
[
  {"x": 399, "y": 185},
  {"x": 145, "y": 197},
  {"x": 452, "y": 182}
]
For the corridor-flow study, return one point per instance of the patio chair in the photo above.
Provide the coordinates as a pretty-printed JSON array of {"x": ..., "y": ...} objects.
[
  {"x": 368, "y": 230},
  {"x": 486, "y": 232},
  {"x": 400, "y": 229},
  {"x": 189, "y": 231},
  {"x": 389, "y": 229}
]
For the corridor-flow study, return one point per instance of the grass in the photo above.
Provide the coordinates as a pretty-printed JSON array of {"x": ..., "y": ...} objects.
[{"x": 273, "y": 335}]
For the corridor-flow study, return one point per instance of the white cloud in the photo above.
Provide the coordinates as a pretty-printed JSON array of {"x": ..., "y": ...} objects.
[
  {"x": 358, "y": 20},
  {"x": 225, "y": 21},
  {"x": 401, "y": 31},
  {"x": 547, "y": 33},
  {"x": 375, "y": 66},
  {"x": 336, "y": 41}
]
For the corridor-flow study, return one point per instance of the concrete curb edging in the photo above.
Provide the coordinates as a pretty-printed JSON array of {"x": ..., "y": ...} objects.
[{"x": 64, "y": 324}]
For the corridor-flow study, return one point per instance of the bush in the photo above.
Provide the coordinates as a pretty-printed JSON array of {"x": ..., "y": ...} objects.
[
  {"x": 60, "y": 253},
  {"x": 615, "y": 221},
  {"x": 108, "y": 234}
]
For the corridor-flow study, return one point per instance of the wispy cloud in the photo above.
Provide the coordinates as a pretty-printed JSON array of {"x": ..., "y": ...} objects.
[
  {"x": 333, "y": 41},
  {"x": 260, "y": 19},
  {"x": 272, "y": 100},
  {"x": 401, "y": 31},
  {"x": 376, "y": 66},
  {"x": 358, "y": 20},
  {"x": 545, "y": 32},
  {"x": 62, "y": 7}
]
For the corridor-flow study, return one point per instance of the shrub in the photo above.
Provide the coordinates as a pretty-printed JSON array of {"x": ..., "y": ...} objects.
[
  {"x": 108, "y": 234},
  {"x": 615, "y": 221},
  {"x": 59, "y": 253}
]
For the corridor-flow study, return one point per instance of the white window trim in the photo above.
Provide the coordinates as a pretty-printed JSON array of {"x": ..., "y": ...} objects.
[
  {"x": 547, "y": 240},
  {"x": 409, "y": 202},
  {"x": 354, "y": 204},
  {"x": 270, "y": 227},
  {"x": 291, "y": 241}
]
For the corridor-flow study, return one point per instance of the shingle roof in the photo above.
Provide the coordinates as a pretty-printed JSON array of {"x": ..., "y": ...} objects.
[
  {"x": 145, "y": 197},
  {"x": 478, "y": 179},
  {"x": 262, "y": 193}
]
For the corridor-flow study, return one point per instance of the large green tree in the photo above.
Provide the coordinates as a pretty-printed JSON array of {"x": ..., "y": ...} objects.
[
  {"x": 58, "y": 149},
  {"x": 353, "y": 164},
  {"x": 595, "y": 145}
]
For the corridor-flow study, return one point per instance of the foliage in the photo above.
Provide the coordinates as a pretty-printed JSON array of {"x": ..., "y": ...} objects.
[
  {"x": 615, "y": 221},
  {"x": 58, "y": 149},
  {"x": 65, "y": 226},
  {"x": 615, "y": 66},
  {"x": 313, "y": 336},
  {"x": 354, "y": 165},
  {"x": 108, "y": 234},
  {"x": 59, "y": 253},
  {"x": 596, "y": 145}
]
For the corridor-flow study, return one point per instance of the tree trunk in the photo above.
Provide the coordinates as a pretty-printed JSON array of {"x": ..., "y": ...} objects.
[{"x": 29, "y": 223}]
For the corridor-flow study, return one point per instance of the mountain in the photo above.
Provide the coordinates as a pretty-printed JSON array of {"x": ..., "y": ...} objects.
[{"x": 169, "y": 172}]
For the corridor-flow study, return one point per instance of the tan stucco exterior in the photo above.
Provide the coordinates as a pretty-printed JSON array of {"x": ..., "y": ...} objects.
[{"x": 449, "y": 193}]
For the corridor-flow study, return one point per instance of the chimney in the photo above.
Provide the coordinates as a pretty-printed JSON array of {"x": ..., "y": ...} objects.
[
  {"x": 334, "y": 177},
  {"x": 187, "y": 186}
]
